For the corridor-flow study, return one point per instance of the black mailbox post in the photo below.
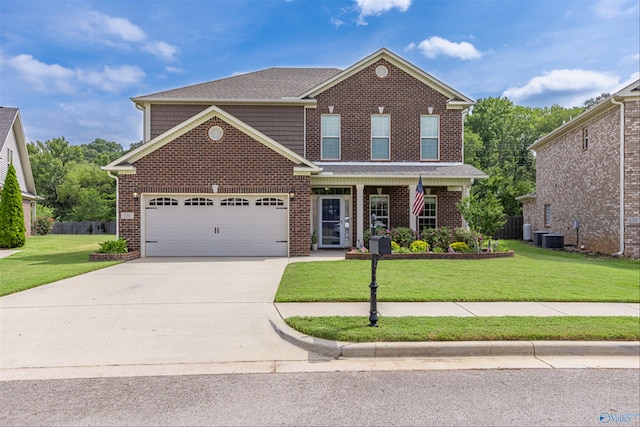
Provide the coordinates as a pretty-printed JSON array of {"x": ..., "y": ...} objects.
[{"x": 378, "y": 246}]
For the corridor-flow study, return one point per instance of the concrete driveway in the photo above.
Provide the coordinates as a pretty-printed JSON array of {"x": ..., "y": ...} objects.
[{"x": 147, "y": 313}]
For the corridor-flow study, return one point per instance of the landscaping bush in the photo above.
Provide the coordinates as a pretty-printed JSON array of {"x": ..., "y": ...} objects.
[
  {"x": 394, "y": 247},
  {"x": 12, "y": 228},
  {"x": 419, "y": 246},
  {"x": 44, "y": 220},
  {"x": 403, "y": 236},
  {"x": 460, "y": 247},
  {"x": 438, "y": 238},
  {"x": 114, "y": 247}
]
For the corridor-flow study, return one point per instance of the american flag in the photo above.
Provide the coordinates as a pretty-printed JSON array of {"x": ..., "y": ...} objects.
[{"x": 418, "y": 205}]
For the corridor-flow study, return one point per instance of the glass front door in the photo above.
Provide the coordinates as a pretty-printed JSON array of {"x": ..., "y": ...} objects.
[{"x": 331, "y": 223}]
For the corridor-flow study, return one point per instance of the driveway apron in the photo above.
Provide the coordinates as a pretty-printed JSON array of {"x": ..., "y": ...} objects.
[{"x": 148, "y": 311}]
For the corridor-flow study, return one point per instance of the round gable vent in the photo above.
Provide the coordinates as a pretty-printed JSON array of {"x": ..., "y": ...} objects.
[
  {"x": 382, "y": 71},
  {"x": 215, "y": 133}
]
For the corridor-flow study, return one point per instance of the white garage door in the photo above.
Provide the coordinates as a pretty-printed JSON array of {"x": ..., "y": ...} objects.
[{"x": 216, "y": 225}]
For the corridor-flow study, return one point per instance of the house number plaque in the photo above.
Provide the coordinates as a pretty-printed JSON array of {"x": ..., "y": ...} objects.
[{"x": 126, "y": 215}]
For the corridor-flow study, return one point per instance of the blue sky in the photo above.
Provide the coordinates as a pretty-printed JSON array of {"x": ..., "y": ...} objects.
[{"x": 71, "y": 66}]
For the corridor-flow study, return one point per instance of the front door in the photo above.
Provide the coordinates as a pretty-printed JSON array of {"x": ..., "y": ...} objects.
[{"x": 331, "y": 222}]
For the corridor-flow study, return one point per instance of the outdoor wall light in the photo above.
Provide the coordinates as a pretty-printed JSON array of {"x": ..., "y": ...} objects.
[
  {"x": 292, "y": 195},
  {"x": 136, "y": 195},
  {"x": 430, "y": 109}
]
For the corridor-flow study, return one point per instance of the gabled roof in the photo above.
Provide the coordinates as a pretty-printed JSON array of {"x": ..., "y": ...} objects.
[
  {"x": 272, "y": 84},
  {"x": 292, "y": 85},
  {"x": 456, "y": 99},
  {"x": 124, "y": 163},
  {"x": 10, "y": 119},
  {"x": 628, "y": 93}
]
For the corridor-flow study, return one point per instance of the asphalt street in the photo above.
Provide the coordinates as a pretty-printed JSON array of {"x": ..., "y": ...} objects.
[{"x": 540, "y": 397}]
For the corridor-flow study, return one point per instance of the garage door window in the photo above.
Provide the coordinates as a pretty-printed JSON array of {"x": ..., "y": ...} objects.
[
  {"x": 269, "y": 201},
  {"x": 198, "y": 201},
  {"x": 234, "y": 201},
  {"x": 163, "y": 201}
]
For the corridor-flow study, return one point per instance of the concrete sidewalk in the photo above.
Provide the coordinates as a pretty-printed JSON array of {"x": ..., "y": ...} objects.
[{"x": 460, "y": 309}]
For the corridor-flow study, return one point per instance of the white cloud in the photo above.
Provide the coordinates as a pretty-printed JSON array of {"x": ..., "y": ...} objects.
[
  {"x": 568, "y": 88},
  {"x": 337, "y": 22},
  {"x": 376, "y": 7},
  {"x": 120, "y": 27},
  {"x": 161, "y": 49},
  {"x": 610, "y": 9},
  {"x": 43, "y": 77},
  {"x": 112, "y": 79},
  {"x": 631, "y": 58},
  {"x": 438, "y": 46},
  {"x": 174, "y": 70}
]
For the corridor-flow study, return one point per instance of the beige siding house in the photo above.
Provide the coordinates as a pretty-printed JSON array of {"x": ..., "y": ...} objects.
[
  {"x": 588, "y": 175},
  {"x": 13, "y": 149}
]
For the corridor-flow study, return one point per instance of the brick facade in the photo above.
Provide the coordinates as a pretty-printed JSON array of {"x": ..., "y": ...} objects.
[
  {"x": 238, "y": 164},
  {"x": 584, "y": 184},
  {"x": 404, "y": 99}
]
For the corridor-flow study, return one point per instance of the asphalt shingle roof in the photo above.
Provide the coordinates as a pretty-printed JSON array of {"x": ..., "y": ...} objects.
[
  {"x": 426, "y": 170},
  {"x": 7, "y": 115},
  {"x": 272, "y": 83}
]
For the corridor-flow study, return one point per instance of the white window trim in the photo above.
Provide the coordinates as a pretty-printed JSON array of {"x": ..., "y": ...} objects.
[
  {"x": 424, "y": 216},
  {"x": 388, "y": 138},
  {"x": 381, "y": 196},
  {"x": 339, "y": 138},
  {"x": 437, "y": 137}
]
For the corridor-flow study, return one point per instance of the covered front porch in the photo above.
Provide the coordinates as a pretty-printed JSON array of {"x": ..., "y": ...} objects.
[{"x": 343, "y": 197}]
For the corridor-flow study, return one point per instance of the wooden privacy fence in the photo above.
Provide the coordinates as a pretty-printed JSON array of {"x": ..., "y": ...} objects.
[
  {"x": 84, "y": 227},
  {"x": 512, "y": 229}
]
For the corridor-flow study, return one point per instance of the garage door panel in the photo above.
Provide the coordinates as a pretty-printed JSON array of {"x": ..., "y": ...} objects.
[{"x": 231, "y": 226}]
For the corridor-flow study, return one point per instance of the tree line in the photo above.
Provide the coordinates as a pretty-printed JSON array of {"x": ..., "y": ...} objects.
[{"x": 497, "y": 135}]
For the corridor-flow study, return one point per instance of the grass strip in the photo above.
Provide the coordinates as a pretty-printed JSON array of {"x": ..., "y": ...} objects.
[
  {"x": 46, "y": 259},
  {"x": 533, "y": 274},
  {"x": 507, "y": 328}
]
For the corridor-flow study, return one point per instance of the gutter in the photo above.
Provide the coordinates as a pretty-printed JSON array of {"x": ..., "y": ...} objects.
[{"x": 621, "y": 104}]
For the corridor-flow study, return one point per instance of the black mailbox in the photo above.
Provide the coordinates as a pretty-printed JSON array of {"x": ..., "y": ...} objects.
[{"x": 380, "y": 245}]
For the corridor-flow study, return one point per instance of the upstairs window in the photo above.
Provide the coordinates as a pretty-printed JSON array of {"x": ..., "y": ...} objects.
[
  {"x": 380, "y": 137},
  {"x": 429, "y": 138},
  {"x": 585, "y": 138},
  {"x": 9, "y": 156},
  {"x": 330, "y": 137}
]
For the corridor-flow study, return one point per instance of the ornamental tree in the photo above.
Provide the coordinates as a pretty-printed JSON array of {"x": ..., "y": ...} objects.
[
  {"x": 483, "y": 215},
  {"x": 12, "y": 228}
]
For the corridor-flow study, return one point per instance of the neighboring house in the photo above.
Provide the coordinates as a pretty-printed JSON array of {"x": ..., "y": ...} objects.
[
  {"x": 13, "y": 149},
  {"x": 588, "y": 170},
  {"x": 250, "y": 165}
]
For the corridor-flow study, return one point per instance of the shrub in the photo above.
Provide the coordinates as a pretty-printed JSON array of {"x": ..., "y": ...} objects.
[
  {"x": 12, "y": 228},
  {"x": 460, "y": 247},
  {"x": 419, "y": 246},
  {"x": 403, "y": 235},
  {"x": 44, "y": 225},
  {"x": 114, "y": 247},
  {"x": 394, "y": 246},
  {"x": 380, "y": 231},
  {"x": 438, "y": 237}
]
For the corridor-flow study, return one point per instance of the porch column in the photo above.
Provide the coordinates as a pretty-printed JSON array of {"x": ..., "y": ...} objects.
[
  {"x": 413, "y": 220},
  {"x": 360, "y": 214}
]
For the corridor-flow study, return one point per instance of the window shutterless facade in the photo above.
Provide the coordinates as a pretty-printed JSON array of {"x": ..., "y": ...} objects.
[
  {"x": 380, "y": 137},
  {"x": 428, "y": 218},
  {"x": 379, "y": 206},
  {"x": 429, "y": 137},
  {"x": 330, "y": 130}
]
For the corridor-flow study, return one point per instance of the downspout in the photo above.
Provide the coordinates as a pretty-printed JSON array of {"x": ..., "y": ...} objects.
[
  {"x": 621, "y": 104},
  {"x": 117, "y": 203}
]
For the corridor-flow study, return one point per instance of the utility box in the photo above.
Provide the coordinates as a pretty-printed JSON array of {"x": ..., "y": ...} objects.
[{"x": 380, "y": 245}]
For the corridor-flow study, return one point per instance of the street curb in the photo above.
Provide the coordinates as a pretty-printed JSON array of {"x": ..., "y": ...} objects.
[{"x": 337, "y": 349}]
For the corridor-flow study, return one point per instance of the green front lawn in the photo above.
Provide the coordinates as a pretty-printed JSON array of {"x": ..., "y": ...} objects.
[
  {"x": 397, "y": 329},
  {"x": 533, "y": 274},
  {"x": 45, "y": 259}
]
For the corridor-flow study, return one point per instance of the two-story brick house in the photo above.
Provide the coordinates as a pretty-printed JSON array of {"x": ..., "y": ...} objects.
[
  {"x": 588, "y": 175},
  {"x": 250, "y": 165}
]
